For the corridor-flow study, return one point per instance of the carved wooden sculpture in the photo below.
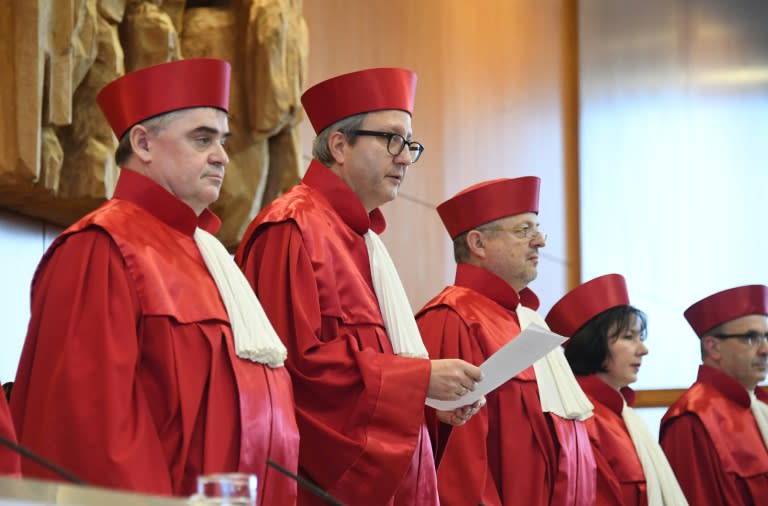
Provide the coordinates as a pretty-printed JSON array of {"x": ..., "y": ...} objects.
[{"x": 56, "y": 149}]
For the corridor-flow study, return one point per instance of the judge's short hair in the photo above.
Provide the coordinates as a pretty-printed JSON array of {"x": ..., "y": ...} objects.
[
  {"x": 720, "y": 329},
  {"x": 461, "y": 248},
  {"x": 587, "y": 349},
  {"x": 461, "y": 252},
  {"x": 320, "y": 150},
  {"x": 154, "y": 125}
]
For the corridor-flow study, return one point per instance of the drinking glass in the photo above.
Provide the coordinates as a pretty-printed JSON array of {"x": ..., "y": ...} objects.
[{"x": 225, "y": 489}]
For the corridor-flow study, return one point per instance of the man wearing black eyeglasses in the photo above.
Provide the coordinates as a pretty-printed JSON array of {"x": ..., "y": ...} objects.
[
  {"x": 715, "y": 436},
  {"x": 360, "y": 370}
]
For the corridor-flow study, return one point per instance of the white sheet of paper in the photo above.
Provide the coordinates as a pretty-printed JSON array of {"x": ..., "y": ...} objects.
[{"x": 532, "y": 344}]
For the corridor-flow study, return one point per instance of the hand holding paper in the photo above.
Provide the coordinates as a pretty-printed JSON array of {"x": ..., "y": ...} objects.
[
  {"x": 451, "y": 378},
  {"x": 522, "y": 351}
]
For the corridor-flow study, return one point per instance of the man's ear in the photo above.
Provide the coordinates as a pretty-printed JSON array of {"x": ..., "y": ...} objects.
[
  {"x": 140, "y": 143},
  {"x": 711, "y": 347},
  {"x": 476, "y": 243},
  {"x": 337, "y": 142}
]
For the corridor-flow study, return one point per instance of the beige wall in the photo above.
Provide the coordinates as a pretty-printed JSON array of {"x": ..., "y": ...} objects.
[{"x": 495, "y": 94}]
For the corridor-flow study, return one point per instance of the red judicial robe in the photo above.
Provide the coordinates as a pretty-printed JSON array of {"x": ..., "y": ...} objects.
[
  {"x": 713, "y": 443},
  {"x": 511, "y": 452},
  {"x": 128, "y": 376},
  {"x": 359, "y": 407},
  {"x": 620, "y": 476},
  {"x": 9, "y": 460}
]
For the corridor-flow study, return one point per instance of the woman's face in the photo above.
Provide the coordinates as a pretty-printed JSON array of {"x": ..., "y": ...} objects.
[{"x": 625, "y": 355}]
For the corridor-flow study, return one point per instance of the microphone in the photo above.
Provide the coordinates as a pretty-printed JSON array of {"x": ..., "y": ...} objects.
[
  {"x": 307, "y": 485},
  {"x": 41, "y": 461}
]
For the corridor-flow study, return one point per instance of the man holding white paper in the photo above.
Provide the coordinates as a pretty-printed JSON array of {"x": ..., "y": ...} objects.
[{"x": 529, "y": 446}]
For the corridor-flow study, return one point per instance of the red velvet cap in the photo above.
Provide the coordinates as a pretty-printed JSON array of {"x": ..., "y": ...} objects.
[
  {"x": 488, "y": 201},
  {"x": 577, "y": 307},
  {"x": 727, "y": 305},
  {"x": 367, "y": 90},
  {"x": 147, "y": 92}
]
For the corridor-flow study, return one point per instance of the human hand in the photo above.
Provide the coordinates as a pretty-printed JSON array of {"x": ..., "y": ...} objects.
[
  {"x": 451, "y": 378},
  {"x": 460, "y": 416}
]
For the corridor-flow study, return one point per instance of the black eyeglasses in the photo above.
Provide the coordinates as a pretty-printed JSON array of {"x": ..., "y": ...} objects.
[
  {"x": 396, "y": 143},
  {"x": 753, "y": 339}
]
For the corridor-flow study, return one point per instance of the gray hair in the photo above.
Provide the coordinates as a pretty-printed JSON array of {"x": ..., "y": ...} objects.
[
  {"x": 347, "y": 126},
  {"x": 460, "y": 247},
  {"x": 711, "y": 332},
  {"x": 154, "y": 125}
]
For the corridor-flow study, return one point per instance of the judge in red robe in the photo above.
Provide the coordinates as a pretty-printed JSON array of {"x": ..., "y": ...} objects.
[
  {"x": 360, "y": 384},
  {"x": 605, "y": 351},
  {"x": 715, "y": 434},
  {"x": 512, "y": 452},
  {"x": 620, "y": 476},
  {"x": 9, "y": 459},
  {"x": 131, "y": 376}
]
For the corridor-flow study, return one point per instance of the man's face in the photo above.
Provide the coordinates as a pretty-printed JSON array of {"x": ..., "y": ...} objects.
[
  {"x": 187, "y": 156},
  {"x": 367, "y": 167},
  {"x": 746, "y": 364},
  {"x": 509, "y": 255}
]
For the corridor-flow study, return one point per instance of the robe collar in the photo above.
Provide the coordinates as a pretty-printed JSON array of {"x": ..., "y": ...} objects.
[
  {"x": 490, "y": 285},
  {"x": 727, "y": 386},
  {"x": 163, "y": 205},
  {"x": 605, "y": 394},
  {"x": 343, "y": 200}
]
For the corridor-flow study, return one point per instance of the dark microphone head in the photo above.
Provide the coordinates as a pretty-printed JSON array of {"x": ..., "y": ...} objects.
[
  {"x": 41, "y": 461},
  {"x": 307, "y": 484}
]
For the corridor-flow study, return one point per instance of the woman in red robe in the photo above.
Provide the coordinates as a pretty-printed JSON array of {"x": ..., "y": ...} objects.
[{"x": 605, "y": 352}]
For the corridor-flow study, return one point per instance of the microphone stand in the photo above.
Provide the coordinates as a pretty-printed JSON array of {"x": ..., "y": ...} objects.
[
  {"x": 308, "y": 485},
  {"x": 40, "y": 460}
]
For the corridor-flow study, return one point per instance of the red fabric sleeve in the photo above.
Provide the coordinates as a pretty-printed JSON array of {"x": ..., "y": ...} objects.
[
  {"x": 78, "y": 372},
  {"x": 361, "y": 404},
  {"x": 696, "y": 464},
  {"x": 463, "y": 475}
]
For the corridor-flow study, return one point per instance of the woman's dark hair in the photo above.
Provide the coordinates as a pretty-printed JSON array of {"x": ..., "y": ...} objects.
[{"x": 587, "y": 350}]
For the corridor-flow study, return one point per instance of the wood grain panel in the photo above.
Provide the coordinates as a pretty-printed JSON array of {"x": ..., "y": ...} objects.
[
  {"x": 657, "y": 398},
  {"x": 495, "y": 98}
]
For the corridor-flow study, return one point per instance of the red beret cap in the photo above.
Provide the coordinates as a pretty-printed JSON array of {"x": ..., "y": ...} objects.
[
  {"x": 488, "y": 201},
  {"x": 727, "y": 305},
  {"x": 148, "y": 92},
  {"x": 367, "y": 90},
  {"x": 586, "y": 301}
]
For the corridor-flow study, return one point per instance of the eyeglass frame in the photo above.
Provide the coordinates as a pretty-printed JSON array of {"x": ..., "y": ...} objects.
[
  {"x": 524, "y": 230},
  {"x": 749, "y": 337},
  {"x": 419, "y": 147}
]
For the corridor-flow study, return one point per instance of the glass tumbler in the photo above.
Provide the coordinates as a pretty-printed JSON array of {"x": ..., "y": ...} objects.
[{"x": 225, "y": 489}]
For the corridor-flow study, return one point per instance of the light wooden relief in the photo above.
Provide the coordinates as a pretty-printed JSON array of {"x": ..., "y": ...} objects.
[{"x": 56, "y": 149}]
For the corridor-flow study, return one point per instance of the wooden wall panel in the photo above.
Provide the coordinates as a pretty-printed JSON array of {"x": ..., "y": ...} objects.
[{"x": 490, "y": 103}]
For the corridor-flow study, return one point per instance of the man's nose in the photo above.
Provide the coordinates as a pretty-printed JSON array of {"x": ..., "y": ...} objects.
[{"x": 219, "y": 155}]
